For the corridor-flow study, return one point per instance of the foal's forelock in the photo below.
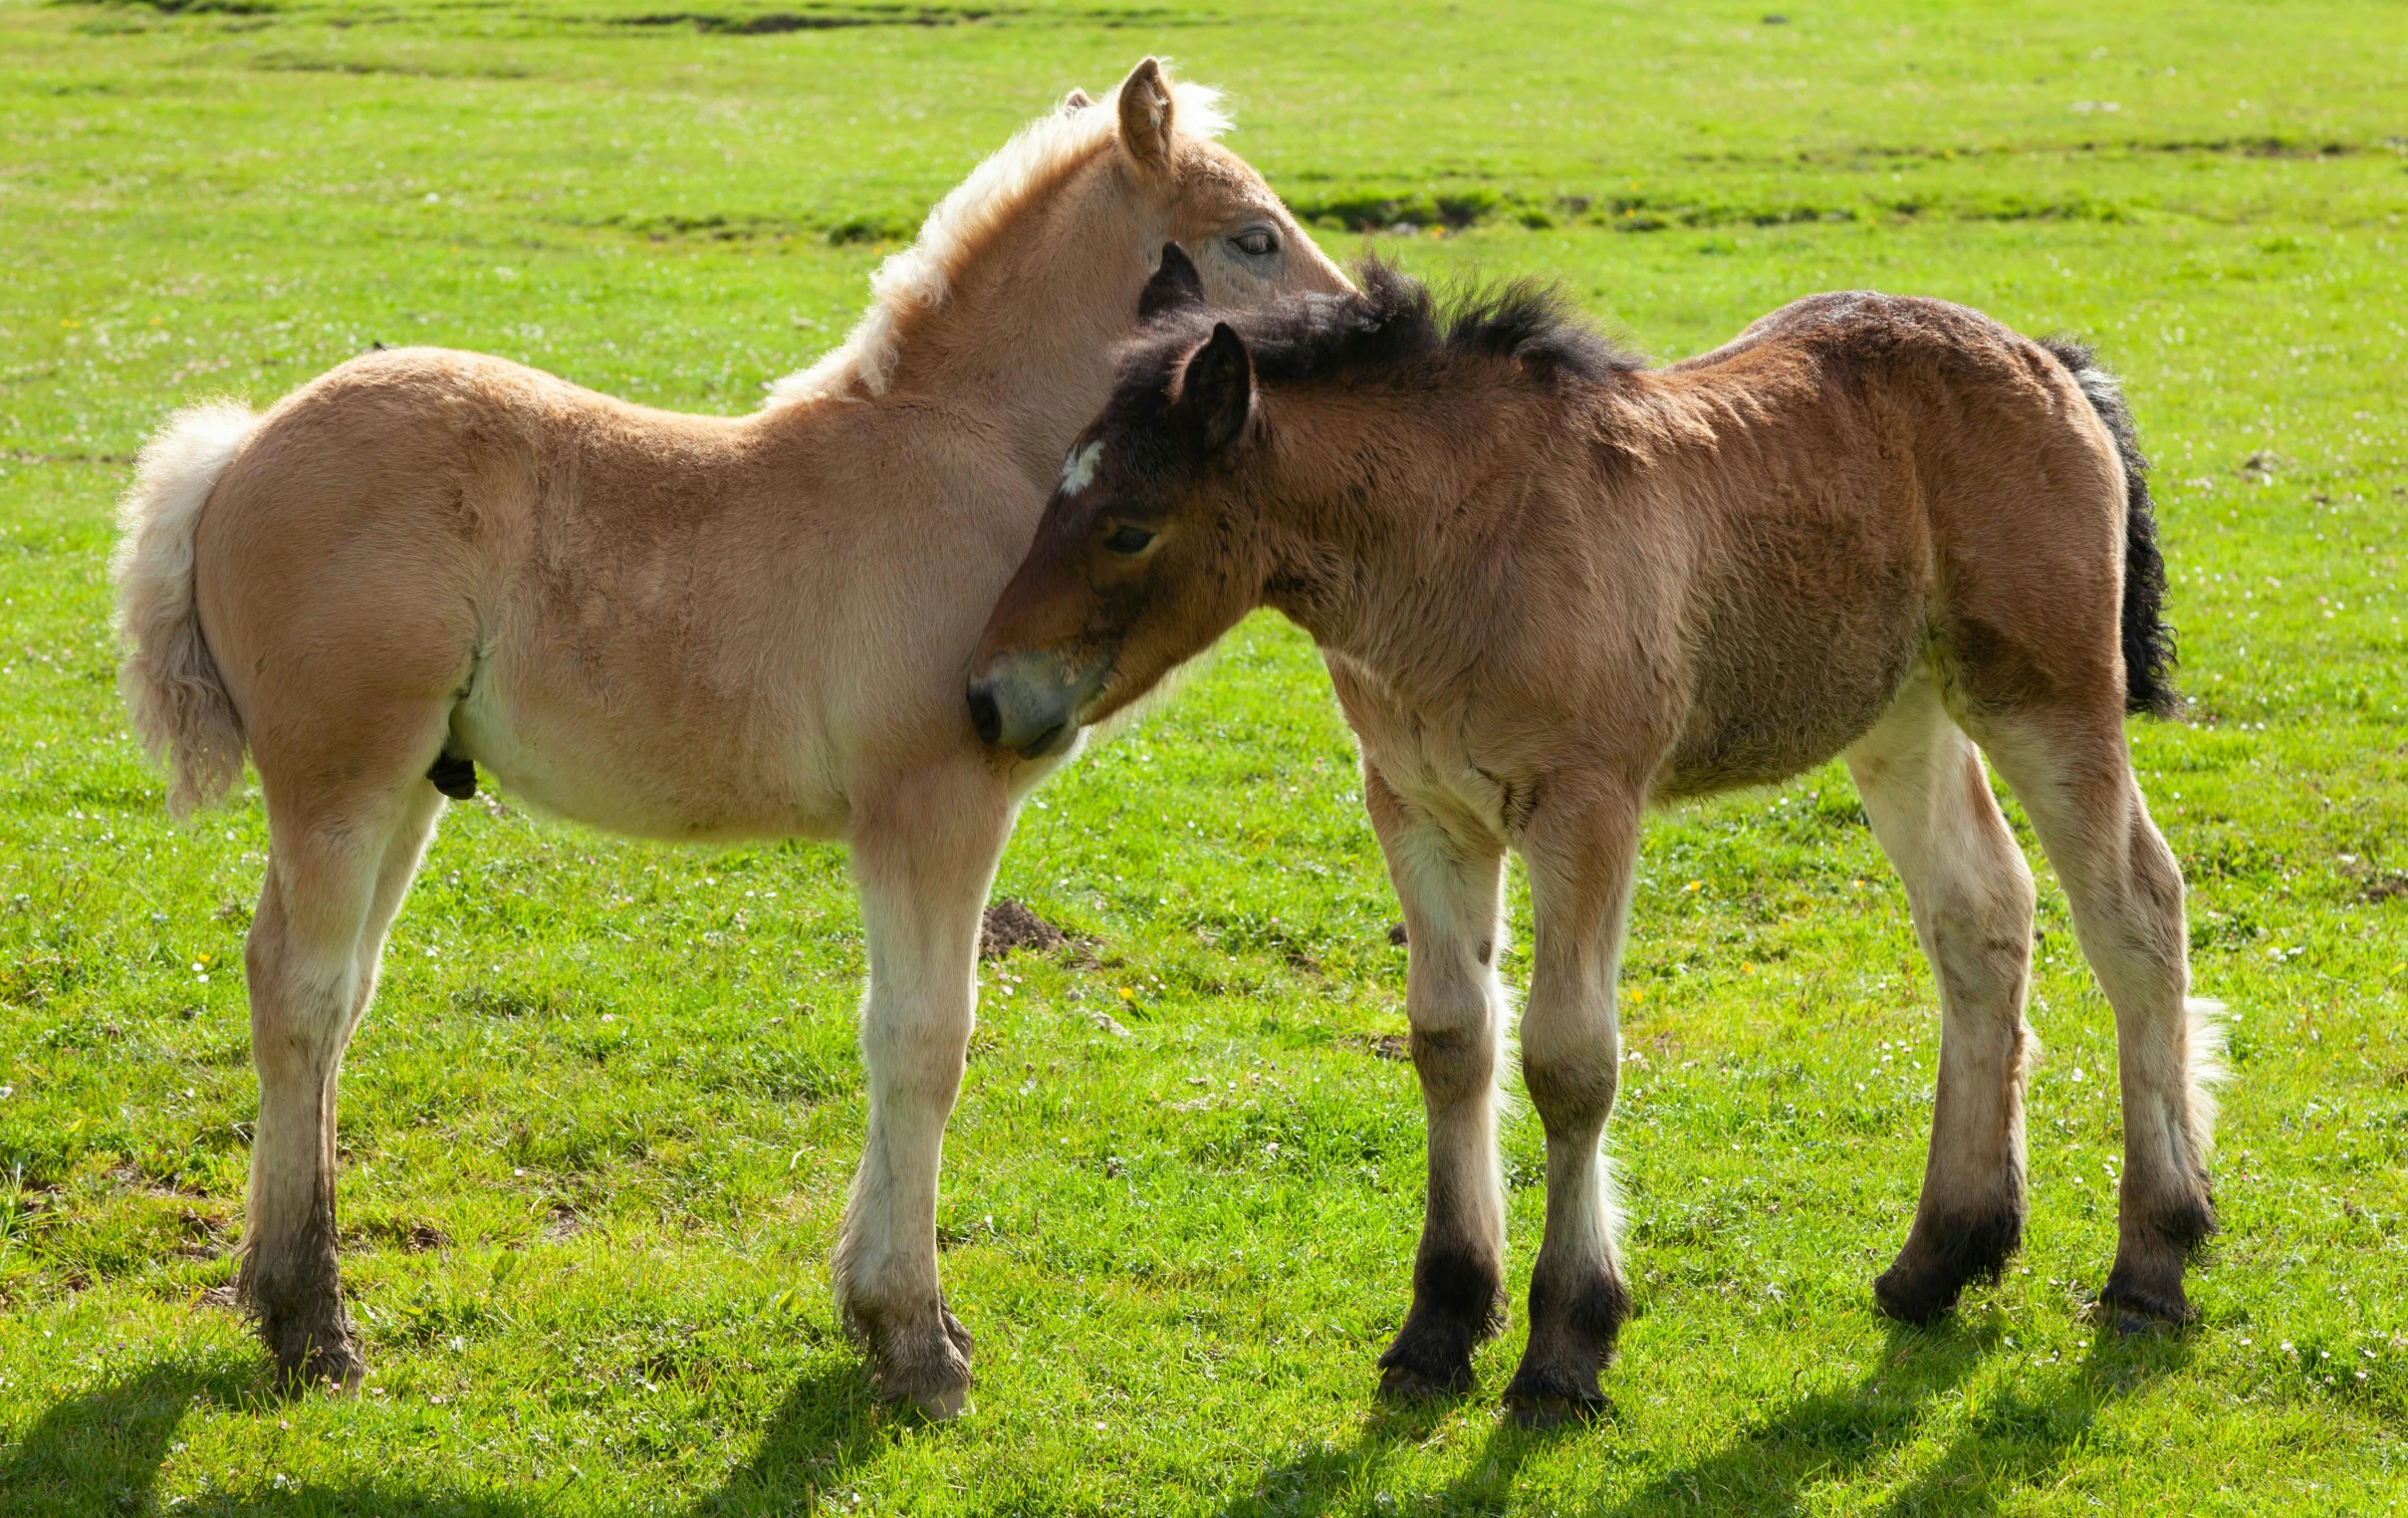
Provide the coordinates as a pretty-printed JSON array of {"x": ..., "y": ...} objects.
[{"x": 1016, "y": 176}]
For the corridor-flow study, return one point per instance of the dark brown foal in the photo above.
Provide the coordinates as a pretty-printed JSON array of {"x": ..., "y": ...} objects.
[{"x": 1553, "y": 586}]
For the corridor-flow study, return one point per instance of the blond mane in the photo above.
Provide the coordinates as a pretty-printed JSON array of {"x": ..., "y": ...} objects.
[{"x": 914, "y": 281}]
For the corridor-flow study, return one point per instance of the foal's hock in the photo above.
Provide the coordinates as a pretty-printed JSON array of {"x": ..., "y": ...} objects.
[{"x": 1552, "y": 586}]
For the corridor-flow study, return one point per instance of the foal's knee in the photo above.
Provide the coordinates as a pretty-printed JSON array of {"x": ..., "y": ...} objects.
[
  {"x": 917, "y": 1047},
  {"x": 1571, "y": 1084},
  {"x": 1454, "y": 1018},
  {"x": 1978, "y": 923},
  {"x": 1455, "y": 1060}
]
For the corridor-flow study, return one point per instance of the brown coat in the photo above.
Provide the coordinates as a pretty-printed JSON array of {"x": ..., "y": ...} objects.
[{"x": 1554, "y": 585}]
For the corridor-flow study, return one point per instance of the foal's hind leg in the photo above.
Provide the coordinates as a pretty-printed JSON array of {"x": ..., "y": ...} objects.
[
  {"x": 2069, "y": 767},
  {"x": 338, "y": 866},
  {"x": 1580, "y": 857},
  {"x": 926, "y": 846},
  {"x": 1451, "y": 890},
  {"x": 1969, "y": 890}
]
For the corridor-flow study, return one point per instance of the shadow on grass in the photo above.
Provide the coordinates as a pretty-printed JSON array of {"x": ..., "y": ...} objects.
[
  {"x": 2010, "y": 1438},
  {"x": 1313, "y": 1478},
  {"x": 99, "y": 1453}
]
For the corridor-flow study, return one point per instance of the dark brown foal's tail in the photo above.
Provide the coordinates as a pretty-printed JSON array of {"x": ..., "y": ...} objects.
[{"x": 2148, "y": 641}]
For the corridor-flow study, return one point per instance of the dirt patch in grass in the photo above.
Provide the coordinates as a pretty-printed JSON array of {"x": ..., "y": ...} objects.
[
  {"x": 1009, "y": 926},
  {"x": 425, "y": 1238}
]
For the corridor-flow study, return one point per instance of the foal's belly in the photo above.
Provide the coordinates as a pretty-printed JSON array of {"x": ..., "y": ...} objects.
[
  {"x": 648, "y": 774},
  {"x": 1785, "y": 674}
]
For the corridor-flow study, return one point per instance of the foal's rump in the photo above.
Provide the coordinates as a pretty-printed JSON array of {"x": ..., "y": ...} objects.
[{"x": 1892, "y": 479}]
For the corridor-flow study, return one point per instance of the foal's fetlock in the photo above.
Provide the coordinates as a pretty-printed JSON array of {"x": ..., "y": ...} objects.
[
  {"x": 1458, "y": 1305},
  {"x": 1572, "y": 1339},
  {"x": 2144, "y": 1289},
  {"x": 305, "y": 1328},
  {"x": 1943, "y": 1255},
  {"x": 926, "y": 1362},
  {"x": 1432, "y": 1354},
  {"x": 312, "y": 1349}
]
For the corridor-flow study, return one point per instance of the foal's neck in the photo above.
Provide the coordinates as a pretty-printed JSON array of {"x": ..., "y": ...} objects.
[
  {"x": 1022, "y": 346},
  {"x": 1377, "y": 507}
]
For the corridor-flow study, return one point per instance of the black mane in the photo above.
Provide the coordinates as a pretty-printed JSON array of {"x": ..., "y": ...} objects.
[{"x": 1392, "y": 321}]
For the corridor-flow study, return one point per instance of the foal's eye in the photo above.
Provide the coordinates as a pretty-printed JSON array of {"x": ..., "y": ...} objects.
[
  {"x": 1126, "y": 540},
  {"x": 1256, "y": 242}
]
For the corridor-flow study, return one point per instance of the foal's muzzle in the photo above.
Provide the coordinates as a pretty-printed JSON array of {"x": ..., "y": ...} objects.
[{"x": 1030, "y": 702}]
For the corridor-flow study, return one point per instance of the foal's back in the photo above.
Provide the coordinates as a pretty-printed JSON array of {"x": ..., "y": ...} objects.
[{"x": 1861, "y": 483}]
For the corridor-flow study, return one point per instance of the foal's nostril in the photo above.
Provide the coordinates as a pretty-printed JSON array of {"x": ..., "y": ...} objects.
[{"x": 984, "y": 714}]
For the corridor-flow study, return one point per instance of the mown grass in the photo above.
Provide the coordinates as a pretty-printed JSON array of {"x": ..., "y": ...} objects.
[{"x": 597, "y": 1131}]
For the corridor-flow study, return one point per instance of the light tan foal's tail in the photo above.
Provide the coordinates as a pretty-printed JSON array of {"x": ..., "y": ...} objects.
[{"x": 174, "y": 693}]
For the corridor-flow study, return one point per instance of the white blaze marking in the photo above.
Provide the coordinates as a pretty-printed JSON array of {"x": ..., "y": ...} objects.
[{"x": 1080, "y": 469}]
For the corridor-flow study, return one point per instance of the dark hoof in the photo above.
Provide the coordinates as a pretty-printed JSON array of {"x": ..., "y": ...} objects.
[
  {"x": 1405, "y": 1385},
  {"x": 1917, "y": 1297},
  {"x": 1905, "y": 1296},
  {"x": 1541, "y": 1387},
  {"x": 312, "y": 1348},
  {"x": 1432, "y": 1357},
  {"x": 2146, "y": 1281},
  {"x": 938, "y": 1406},
  {"x": 1549, "y": 1412},
  {"x": 2144, "y": 1289},
  {"x": 926, "y": 1366},
  {"x": 1458, "y": 1305},
  {"x": 1572, "y": 1339},
  {"x": 1942, "y": 1257},
  {"x": 335, "y": 1366},
  {"x": 2135, "y": 1306}
]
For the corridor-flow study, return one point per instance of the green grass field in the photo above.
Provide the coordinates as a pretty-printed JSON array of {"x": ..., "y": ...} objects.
[{"x": 597, "y": 1130}]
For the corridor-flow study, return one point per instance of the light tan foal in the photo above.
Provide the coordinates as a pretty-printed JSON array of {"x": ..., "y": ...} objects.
[{"x": 674, "y": 625}]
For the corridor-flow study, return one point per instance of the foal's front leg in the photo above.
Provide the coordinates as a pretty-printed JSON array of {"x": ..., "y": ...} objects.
[
  {"x": 1580, "y": 860},
  {"x": 924, "y": 853},
  {"x": 1452, "y": 892}
]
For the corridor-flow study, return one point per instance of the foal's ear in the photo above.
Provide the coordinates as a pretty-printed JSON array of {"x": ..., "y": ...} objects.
[
  {"x": 1217, "y": 391},
  {"x": 1144, "y": 102},
  {"x": 1076, "y": 100},
  {"x": 1175, "y": 287}
]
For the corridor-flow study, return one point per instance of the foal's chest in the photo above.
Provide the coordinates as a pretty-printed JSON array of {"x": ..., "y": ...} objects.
[{"x": 1431, "y": 759}]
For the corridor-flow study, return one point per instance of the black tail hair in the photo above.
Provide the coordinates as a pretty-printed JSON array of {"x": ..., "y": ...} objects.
[{"x": 2148, "y": 641}]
